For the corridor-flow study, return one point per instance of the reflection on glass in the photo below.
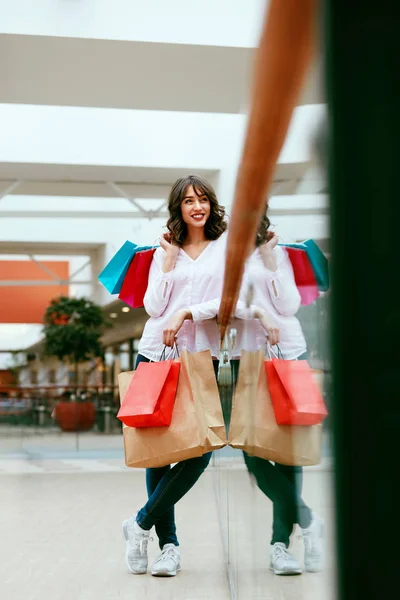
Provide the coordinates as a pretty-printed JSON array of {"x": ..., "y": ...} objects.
[{"x": 274, "y": 509}]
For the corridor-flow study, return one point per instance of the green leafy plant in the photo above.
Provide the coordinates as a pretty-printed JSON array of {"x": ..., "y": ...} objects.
[{"x": 73, "y": 328}]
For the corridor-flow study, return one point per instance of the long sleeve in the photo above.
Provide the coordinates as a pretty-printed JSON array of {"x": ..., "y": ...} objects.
[
  {"x": 159, "y": 287},
  {"x": 244, "y": 312},
  {"x": 281, "y": 285},
  {"x": 205, "y": 310}
]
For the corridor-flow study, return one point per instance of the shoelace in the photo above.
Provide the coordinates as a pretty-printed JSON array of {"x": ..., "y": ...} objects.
[
  {"x": 142, "y": 544},
  {"x": 281, "y": 551},
  {"x": 166, "y": 554}
]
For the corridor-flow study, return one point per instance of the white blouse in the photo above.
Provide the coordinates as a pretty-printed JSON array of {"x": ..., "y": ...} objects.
[
  {"x": 275, "y": 292},
  {"x": 193, "y": 284}
]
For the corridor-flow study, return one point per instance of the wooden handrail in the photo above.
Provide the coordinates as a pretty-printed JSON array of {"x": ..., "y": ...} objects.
[{"x": 283, "y": 57}]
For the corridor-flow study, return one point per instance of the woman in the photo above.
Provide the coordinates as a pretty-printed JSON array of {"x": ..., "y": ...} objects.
[
  {"x": 185, "y": 279},
  {"x": 269, "y": 275}
]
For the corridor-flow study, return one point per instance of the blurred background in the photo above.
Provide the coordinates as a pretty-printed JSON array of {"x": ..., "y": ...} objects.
[{"x": 104, "y": 103}]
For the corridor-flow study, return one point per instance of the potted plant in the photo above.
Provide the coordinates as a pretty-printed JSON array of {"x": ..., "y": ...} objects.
[{"x": 72, "y": 330}]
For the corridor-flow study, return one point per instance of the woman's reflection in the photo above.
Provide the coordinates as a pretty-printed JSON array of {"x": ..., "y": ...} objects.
[{"x": 269, "y": 285}]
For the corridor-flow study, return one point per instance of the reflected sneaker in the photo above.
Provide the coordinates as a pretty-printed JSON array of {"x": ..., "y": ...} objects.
[
  {"x": 282, "y": 562},
  {"x": 136, "y": 540},
  {"x": 167, "y": 564},
  {"x": 313, "y": 538}
]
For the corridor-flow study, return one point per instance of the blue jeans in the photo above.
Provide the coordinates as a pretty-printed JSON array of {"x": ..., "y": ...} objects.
[
  {"x": 282, "y": 484},
  {"x": 165, "y": 487}
]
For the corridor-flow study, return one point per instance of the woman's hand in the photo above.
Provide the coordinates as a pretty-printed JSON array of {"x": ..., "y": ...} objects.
[
  {"x": 169, "y": 334},
  {"x": 270, "y": 327},
  {"x": 171, "y": 252},
  {"x": 267, "y": 253},
  {"x": 171, "y": 249}
]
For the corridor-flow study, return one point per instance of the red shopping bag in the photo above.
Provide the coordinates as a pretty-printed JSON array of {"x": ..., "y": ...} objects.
[
  {"x": 304, "y": 275},
  {"x": 136, "y": 279},
  {"x": 294, "y": 393},
  {"x": 150, "y": 399}
]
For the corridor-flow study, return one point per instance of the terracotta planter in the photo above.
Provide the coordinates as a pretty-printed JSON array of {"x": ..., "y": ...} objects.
[{"x": 75, "y": 416}]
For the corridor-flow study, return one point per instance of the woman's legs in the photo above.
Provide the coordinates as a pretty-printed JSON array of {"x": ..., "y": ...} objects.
[
  {"x": 290, "y": 507},
  {"x": 283, "y": 485},
  {"x": 165, "y": 528},
  {"x": 171, "y": 487},
  {"x": 282, "y": 527},
  {"x": 165, "y": 487}
]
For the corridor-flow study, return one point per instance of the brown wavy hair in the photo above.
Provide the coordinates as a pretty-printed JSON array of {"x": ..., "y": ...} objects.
[
  {"x": 263, "y": 233},
  {"x": 177, "y": 228}
]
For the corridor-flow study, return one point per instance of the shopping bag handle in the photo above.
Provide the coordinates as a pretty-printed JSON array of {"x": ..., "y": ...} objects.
[
  {"x": 175, "y": 351},
  {"x": 271, "y": 354}
]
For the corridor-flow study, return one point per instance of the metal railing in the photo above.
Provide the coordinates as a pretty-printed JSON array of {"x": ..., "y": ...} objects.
[{"x": 34, "y": 405}]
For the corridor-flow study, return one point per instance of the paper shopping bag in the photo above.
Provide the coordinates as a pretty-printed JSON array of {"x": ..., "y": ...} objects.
[
  {"x": 149, "y": 400},
  {"x": 303, "y": 275},
  {"x": 318, "y": 261},
  {"x": 114, "y": 272},
  {"x": 253, "y": 425},
  {"x": 197, "y": 425},
  {"x": 294, "y": 392},
  {"x": 136, "y": 279}
]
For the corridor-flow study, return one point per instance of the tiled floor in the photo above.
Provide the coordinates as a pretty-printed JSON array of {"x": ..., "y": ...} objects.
[
  {"x": 60, "y": 536},
  {"x": 61, "y": 540},
  {"x": 247, "y": 521}
]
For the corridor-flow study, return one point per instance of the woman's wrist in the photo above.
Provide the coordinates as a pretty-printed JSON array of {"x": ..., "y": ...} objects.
[
  {"x": 270, "y": 262},
  {"x": 186, "y": 314},
  {"x": 169, "y": 264},
  {"x": 257, "y": 312}
]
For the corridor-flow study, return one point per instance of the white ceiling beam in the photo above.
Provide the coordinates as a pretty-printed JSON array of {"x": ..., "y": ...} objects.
[
  {"x": 48, "y": 173},
  {"x": 149, "y": 213},
  {"x": 81, "y": 189},
  {"x": 63, "y": 214},
  {"x": 9, "y": 189},
  {"x": 82, "y": 268},
  {"x": 38, "y": 282},
  {"x": 125, "y": 195},
  {"x": 288, "y": 212},
  {"x": 45, "y": 269},
  {"x": 48, "y": 248},
  {"x": 77, "y": 69},
  {"x": 161, "y": 207}
]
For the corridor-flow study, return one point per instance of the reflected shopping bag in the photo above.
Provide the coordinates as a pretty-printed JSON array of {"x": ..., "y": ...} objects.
[
  {"x": 295, "y": 394},
  {"x": 114, "y": 272},
  {"x": 253, "y": 426},
  {"x": 318, "y": 260},
  {"x": 150, "y": 398},
  {"x": 136, "y": 279},
  {"x": 197, "y": 425},
  {"x": 303, "y": 275}
]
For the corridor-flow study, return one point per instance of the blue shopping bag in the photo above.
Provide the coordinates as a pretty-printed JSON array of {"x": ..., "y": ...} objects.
[
  {"x": 113, "y": 274},
  {"x": 318, "y": 262}
]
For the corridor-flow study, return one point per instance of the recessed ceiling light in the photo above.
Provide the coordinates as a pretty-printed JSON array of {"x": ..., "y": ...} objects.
[
  {"x": 125, "y": 309},
  {"x": 113, "y": 315}
]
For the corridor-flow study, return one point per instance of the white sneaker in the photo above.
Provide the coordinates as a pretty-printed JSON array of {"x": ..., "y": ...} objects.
[
  {"x": 167, "y": 564},
  {"x": 136, "y": 540},
  {"x": 313, "y": 538},
  {"x": 282, "y": 562}
]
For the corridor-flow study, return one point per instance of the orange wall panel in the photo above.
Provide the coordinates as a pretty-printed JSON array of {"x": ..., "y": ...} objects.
[{"x": 27, "y": 304}]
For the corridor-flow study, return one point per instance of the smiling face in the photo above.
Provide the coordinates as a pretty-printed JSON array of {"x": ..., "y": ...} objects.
[
  {"x": 195, "y": 208},
  {"x": 193, "y": 205}
]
